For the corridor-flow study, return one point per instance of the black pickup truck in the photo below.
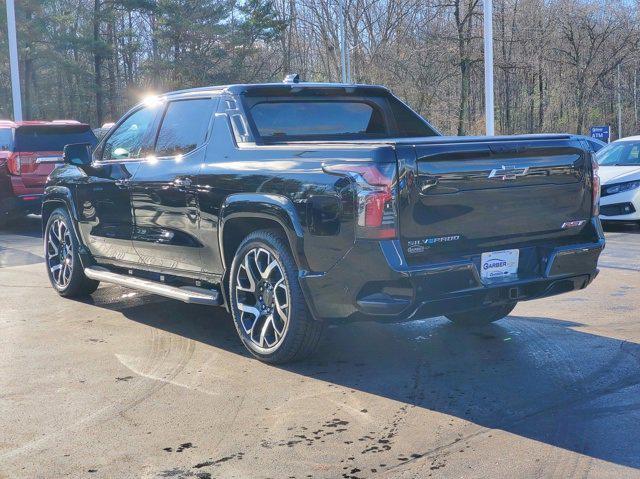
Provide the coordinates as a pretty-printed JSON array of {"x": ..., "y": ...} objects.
[{"x": 296, "y": 204}]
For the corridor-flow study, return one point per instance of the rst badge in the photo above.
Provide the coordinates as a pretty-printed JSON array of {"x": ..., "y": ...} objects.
[{"x": 419, "y": 246}]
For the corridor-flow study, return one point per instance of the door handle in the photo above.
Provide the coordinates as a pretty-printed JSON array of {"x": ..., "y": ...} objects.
[
  {"x": 182, "y": 182},
  {"x": 124, "y": 183}
]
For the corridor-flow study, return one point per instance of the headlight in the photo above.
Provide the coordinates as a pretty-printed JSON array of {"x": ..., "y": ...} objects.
[{"x": 620, "y": 187}]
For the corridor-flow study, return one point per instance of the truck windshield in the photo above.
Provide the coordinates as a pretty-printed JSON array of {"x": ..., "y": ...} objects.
[
  {"x": 6, "y": 139},
  {"x": 52, "y": 138},
  {"x": 318, "y": 119},
  {"x": 620, "y": 154}
]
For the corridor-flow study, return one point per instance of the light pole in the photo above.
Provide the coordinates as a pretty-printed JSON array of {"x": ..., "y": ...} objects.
[
  {"x": 488, "y": 67},
  {"x": 13, "y": 61},
  {"x": 343, "y": 39}
]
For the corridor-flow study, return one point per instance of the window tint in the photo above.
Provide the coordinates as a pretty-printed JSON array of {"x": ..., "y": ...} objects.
[
  {"x": 595, "y": 145},
  {"x": 409, "y": 124},
  {"x": 184, "y": 126},
  {"x": 624, "y": 153},
  {"x": 52, "y": 138},
  {"x": 318, "y": 119},
  {"x": 6, "y": 139},
  {"x": 127, "y": 140}
]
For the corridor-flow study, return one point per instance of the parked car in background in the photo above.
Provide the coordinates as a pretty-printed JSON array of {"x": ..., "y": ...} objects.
[
  {"x": 29, "y": 151},
  {"x": 595, "y": 144},
  {"x": 620, "y": 176},
  {"x": 297, "y": 204},
  {"x": 100, "y": 132}
]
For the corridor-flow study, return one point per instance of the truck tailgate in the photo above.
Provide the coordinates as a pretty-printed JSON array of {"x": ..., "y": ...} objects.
[{"x": 485, "y": 193}]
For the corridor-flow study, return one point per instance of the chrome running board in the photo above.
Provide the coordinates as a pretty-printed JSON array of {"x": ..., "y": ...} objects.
[{"x": 186, "y": 294}]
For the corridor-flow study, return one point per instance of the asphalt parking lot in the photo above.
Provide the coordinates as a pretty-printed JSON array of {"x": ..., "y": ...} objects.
[{"x": 129, "y": 385}]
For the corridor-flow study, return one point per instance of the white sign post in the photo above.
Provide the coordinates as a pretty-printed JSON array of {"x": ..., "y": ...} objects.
[
  {"x": 13, "y": 61},
  {"x": 488, "y": 67}
]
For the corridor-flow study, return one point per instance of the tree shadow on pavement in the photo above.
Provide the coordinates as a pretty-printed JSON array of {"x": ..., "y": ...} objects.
[{"x": 536, "y": 377}]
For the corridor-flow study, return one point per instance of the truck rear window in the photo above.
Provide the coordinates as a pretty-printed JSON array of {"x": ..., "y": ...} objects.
[
  {"x": 51, "y": 138},
  {"x": 317, "y": 119}
]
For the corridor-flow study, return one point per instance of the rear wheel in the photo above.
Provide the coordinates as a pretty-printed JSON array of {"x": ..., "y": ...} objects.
[
  {"x": 62, "y": 257},
  {"x": 482, "y": 316},
  {"x": 269, "y": 310}
]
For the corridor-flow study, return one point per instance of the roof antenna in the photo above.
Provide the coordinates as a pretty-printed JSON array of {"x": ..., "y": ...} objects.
[{"x": 291, "y": 78}]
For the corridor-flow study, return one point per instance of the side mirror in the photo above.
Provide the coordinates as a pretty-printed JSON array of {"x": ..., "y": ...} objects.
[{"x": 77, "y": 154}]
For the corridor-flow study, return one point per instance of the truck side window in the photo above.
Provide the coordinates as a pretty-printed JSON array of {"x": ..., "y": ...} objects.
[
  {"x": 409, "y": 124},
  {"x": 127, "y": 140},
  {"x": 184, "y": 126}
]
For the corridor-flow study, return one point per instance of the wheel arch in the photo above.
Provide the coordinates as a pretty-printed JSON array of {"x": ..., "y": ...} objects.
[
  {"x": 243, "y": 213},
  {"x": 56, "y": 197},
  {"x": 62, "y": 197}
]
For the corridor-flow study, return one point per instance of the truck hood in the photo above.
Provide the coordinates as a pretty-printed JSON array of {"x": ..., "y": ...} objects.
[{"x": 618, "y": 174}]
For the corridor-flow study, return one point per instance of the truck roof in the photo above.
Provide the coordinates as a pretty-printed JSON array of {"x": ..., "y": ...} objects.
[
  {"x": 17, "y": 124},
  {"x": 274, "y": 88}
]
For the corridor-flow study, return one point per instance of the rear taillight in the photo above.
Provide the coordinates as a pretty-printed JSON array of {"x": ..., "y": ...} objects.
[
  {"x": 376, "y": 198},
  {"x": 595, "y": 184},
  {"x": 14, "y": 164}
]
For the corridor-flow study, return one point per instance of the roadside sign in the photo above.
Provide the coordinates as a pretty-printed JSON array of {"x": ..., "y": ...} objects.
[{"x": 601, "y": 133}]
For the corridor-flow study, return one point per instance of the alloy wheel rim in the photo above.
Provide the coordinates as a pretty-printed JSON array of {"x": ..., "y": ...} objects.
[
  {"x": 60, "y": 253},
  {"x": 262, "y": 298}
]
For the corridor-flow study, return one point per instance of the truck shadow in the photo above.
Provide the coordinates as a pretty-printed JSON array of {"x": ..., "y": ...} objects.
[
  {"x": 20, "y": 242},
  {"x": 535, "y": 377},
  {"x": 30, "y": 226}
]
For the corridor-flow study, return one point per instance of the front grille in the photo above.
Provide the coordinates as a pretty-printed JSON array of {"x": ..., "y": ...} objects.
[{"x": 617, "y": 209}]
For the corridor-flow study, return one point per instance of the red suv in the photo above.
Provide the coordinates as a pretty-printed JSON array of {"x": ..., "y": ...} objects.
[{"x": 29, "y": 151}]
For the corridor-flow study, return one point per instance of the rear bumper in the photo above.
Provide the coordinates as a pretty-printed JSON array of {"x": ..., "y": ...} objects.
[{"x": 374, "y": 282}]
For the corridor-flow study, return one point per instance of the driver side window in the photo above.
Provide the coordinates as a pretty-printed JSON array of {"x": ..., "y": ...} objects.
[{"x": 127, "y": 141}]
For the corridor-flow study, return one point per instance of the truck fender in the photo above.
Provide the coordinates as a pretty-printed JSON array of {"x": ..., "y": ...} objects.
[
  {"x": 59, "y": 196},
  {"x": 276, "y": 208},
  {"x": 55, "y": 196}
]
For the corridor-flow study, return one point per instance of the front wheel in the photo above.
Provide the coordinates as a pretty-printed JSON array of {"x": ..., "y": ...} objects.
[
  {"x": 482, "y": 316},
  {"x": 269, "y": 310},
  {"x": 63, "y": 259}
]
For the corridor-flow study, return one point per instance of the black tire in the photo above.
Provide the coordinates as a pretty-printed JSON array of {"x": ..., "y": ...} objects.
[
  {"x": 301, "y": 333},
  {"x": 73, "y": 283},
  {"x": 481, "y": 316}
]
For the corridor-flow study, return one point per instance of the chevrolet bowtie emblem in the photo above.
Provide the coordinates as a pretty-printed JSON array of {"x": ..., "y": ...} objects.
[{"x": 508, "y": 173}]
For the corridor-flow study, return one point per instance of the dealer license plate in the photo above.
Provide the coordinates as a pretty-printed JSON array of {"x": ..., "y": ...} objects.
[{"x": 499, "y": 264}]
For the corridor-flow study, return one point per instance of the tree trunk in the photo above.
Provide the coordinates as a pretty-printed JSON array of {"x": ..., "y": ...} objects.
[
  {"x": 26, "y": 82},
  {"x": 111, "y": 70},
  {"x": 540, "y": 99},
  {"x": 97, "y": 62},
  {"x": 28, "y": 73}
]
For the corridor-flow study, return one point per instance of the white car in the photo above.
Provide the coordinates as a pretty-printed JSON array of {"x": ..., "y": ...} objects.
[{"x": 620, "y": 178}]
